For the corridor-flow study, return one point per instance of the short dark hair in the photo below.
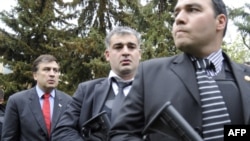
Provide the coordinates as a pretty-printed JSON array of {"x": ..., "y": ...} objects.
[
  {"x": 43, "y": 58},
  {"x": 220, "y": 8}
]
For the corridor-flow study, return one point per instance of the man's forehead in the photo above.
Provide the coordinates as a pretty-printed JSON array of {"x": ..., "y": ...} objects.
[
  {"x": 52, "y": 64},
  {"x": 118, "y": 38},
  {"x": 190, "y": 2}
]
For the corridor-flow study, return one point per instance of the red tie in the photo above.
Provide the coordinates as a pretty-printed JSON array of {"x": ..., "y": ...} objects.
[{"x": 46, "y": 111}]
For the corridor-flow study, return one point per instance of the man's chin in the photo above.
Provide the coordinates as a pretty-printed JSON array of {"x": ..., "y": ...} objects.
[
  {"x": 51, "y": 86},
  {"x": 126, "y": 70},
  {"x": 183, "y": 46}
]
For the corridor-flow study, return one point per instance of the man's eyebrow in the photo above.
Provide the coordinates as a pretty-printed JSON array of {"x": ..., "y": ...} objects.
[
  {"x": 128, "y": 43},
  {"x": 51, "y": 68},
  {"x": 194, "y": 4},
  {"x": 118, "y": 43},
  {"x": 188, "y": 6}
]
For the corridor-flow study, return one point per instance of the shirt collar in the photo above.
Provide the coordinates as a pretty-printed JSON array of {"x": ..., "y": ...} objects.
[
  {"x": 217, "y": 59},
  {"x": 118, "y": 78},
  {"x": 41, "y": 93}
]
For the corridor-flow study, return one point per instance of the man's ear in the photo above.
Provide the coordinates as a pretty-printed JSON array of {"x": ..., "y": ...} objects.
[
  {"x": 221, "y": 22},
  {"x": 34, "y": 76},
  {"x": 106, "y": 54}
]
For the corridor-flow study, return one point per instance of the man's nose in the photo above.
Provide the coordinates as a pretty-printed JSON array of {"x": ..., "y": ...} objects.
[
  {"x": 52, "y": 72},
  {"x": 125, "y": 48},
  {"x": 181, "y": 18}
]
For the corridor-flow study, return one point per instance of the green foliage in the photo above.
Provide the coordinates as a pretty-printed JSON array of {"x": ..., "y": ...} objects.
[
  {"x": 241, "y": 18},
  {"x": 237, "y": 51},
  {"x": 156, "y": 30},
  {"x": 35, "y": 32},
  {"x": 74, "y": 32}
]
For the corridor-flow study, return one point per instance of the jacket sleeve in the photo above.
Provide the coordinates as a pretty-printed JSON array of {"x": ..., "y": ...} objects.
[
  {"x": 67, "y": 128},
  {"x": 10, "y": 131}
]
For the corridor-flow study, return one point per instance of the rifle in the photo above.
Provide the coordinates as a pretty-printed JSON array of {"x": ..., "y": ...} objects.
[
  {"x": 169, "y": 122},
  {"x": 96, "y": 128}
]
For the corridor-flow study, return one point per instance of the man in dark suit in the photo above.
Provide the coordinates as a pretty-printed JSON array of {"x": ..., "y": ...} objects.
[
  {"x": 198, "y": 31},
  {"x": 94, "y": 96},
  {"x": 24, "y": 117}
]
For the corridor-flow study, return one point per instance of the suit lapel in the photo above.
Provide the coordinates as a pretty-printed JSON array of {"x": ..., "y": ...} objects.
[
  {"x": 57, "y": 109},
  {"x": 35, "y": 108},
  {"x": 100, "y": 93},
  {"x": 243, "y": 85},
  {"x": 181, "y": 67}
]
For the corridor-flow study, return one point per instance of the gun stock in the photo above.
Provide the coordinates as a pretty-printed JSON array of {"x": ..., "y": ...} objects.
[
  {"x": 96, "y": 128},
  {"x": 169, "y": 122}
]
